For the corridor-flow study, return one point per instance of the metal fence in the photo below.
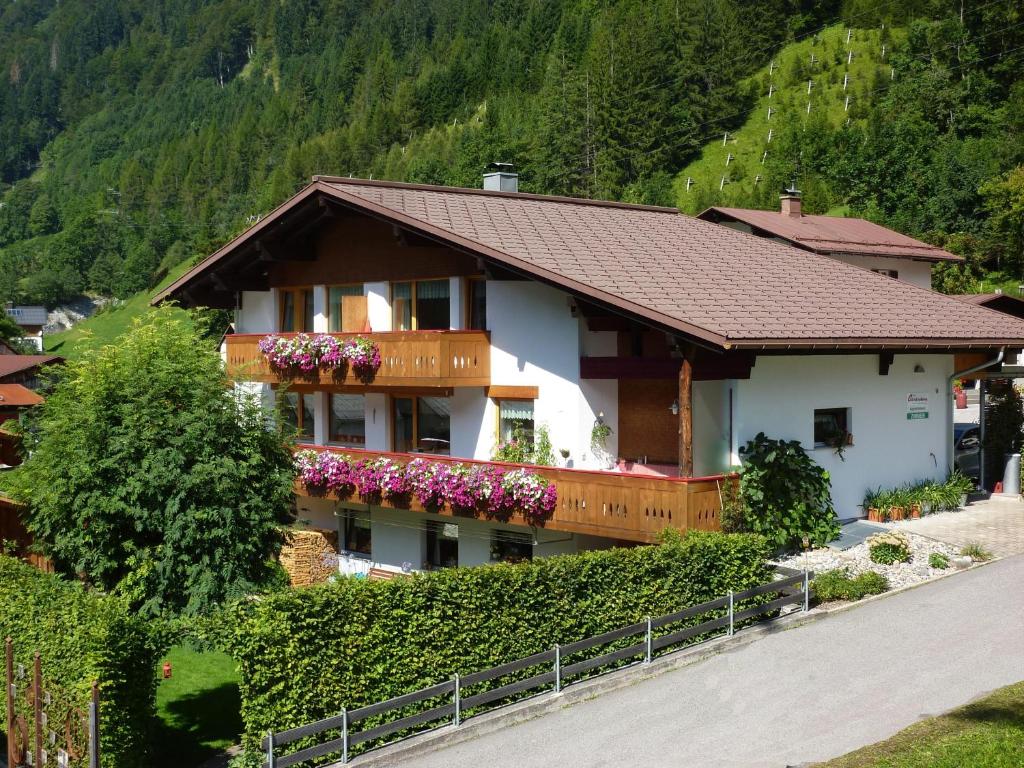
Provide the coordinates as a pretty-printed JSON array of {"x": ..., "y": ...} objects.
[{"x": 794, "y": 589}]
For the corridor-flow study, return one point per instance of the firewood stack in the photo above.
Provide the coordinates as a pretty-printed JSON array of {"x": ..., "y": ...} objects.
[{"x": 309, "y": 555}]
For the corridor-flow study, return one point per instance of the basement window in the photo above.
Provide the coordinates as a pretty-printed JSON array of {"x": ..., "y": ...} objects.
[{"x": 831, "y": 427}]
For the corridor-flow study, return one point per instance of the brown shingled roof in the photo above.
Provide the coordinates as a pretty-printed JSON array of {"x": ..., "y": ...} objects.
[
  {"x": 17, "y": 395},
  {"x": 721, "y": 286},
  {"x": 835, "y": 234},
  {"x": 16, "y": 363}
]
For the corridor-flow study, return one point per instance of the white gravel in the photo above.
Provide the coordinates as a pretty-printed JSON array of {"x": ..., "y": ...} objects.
[{"x": 857, "y": 560}]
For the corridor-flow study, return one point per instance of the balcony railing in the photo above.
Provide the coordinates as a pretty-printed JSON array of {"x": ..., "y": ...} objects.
[
  {"x": 441, "y": 359},
  {"x": 614, "y": 505}
]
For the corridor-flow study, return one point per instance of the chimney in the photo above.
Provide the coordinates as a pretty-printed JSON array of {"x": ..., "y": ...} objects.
[
  {"x": 502, "y": 178},
  {"x": 791, "y": 202}
]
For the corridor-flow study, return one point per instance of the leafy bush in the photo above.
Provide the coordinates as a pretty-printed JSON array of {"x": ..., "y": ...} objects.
[
  {"x": 938, "y": 560},
  {"x": 976, "y": 552},
  {"x": 839, "y": 585},
  {"x": 304, "y": 654},
  {"x": 82, "y": 637},
  {"x": 889, "y": 547},
  {"x": 786, "y": 494}
]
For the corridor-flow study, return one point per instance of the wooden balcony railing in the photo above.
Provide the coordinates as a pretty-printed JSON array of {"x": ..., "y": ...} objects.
[
  {"x": 611, "y": 504},
  {"x": 441, "y": 359}
]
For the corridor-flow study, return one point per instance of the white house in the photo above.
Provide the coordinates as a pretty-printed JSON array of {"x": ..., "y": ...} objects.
[{"x": 492, "y": 309}]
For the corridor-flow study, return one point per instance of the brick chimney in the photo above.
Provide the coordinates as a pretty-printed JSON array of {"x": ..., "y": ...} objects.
[{"x": 791, "y": 202}]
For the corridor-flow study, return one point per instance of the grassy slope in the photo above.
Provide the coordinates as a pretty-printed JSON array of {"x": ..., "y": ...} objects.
[
  {"x": 198, "y": 708},
  {"x": 986, "y": 734},
  {"x": 104, "y": 327},
  {"x": 789, "y": 103}
]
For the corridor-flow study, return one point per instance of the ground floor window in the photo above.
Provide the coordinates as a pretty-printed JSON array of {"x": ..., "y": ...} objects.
[
  {"x": 513, "y": 416},
  {"x": 831, "y": 427},
  {"x": 422, "y": 425},
  {"x": 299, "y": 413},
  {"x": 442, "y": 545},
  {"x": 355, "y": 532},
  {"x": 511, "y": 547},
  {"x": 348, "y": 421}
]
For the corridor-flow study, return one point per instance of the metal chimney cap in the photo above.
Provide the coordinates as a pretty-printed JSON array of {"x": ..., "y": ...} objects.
[
  {"x": 791, "y": 190},
  {"x": 503, "y": 167}
]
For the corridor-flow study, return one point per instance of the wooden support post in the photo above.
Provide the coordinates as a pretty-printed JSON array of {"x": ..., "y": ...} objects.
[
  {"x": 37, "y": 706},
  {"x": 686, "y": 415},
  {"x": 12, "y": 736}
]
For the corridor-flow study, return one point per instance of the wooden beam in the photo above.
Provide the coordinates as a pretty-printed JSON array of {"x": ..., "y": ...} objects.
[
  {"x": 686, "y": 415},
  {"x": 499, "y": 391}
]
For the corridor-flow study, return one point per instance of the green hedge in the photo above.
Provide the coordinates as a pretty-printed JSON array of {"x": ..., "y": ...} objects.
[
  {"x": 82, "y": 637},
  {"x": 306, "y": 653}
]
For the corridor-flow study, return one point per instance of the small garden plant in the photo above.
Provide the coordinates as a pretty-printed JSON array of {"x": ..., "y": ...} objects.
[
  {"x": 976, "y": 552},
  {"x": 889, "y": 547},
  {"x": 938, "y": 560},
  {"x": 915, "y": 499},
  {"x": 840, "y": 585}
]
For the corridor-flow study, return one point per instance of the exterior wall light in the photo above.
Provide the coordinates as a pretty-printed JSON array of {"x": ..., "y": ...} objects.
[{"x": 674, "y": 407}]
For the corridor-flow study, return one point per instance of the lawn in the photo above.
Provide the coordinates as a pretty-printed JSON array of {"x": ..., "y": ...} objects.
[
  {"x": 197, "y": 708},
  {"x": 986, "y": 734},
  {"x": 105, "y": 326}
]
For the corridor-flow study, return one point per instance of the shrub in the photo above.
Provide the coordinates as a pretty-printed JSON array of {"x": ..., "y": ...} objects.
[
  {"x": 304, "y": 654},
  {"x": 889, "y": 547},
  {"x": 839, "y": 585},
  {"x": 938, "y": 560},
  {"x": 786, "y": 494},
  {"x": 976, "y": 552},
  {"x": 82, "y": 637}
]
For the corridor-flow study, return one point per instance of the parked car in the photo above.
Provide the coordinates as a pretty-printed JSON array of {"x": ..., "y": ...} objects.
[{"x": 967, "y": 449}]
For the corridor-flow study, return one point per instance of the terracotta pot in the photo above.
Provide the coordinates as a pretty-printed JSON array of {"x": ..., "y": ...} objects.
[
  {"x": 915, "y": 511},
  {"x": 961, "y": 399},
  {"x": 875, "y": 515},
  {"x": 896, "y": 513}
]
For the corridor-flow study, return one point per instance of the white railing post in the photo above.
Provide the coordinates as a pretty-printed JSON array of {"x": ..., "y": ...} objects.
[
  {"x": 558, "y": 668},
  {"x": 649, "y": 653},
  {"x": 458, "y": 701},
  {"x": 807, "y": 590},
  {"x": 271, "y": 763},
  {"x": 731, "y": 628},
  {"x": 344, "y": 735}
]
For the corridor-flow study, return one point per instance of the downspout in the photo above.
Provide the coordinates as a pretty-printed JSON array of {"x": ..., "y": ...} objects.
[{"x": 950, "y": 448}]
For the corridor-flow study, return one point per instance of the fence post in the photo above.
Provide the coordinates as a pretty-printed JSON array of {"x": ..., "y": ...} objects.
[
  {"x": 731, "y": 628},
  {"x": 558, "y": 668},
  {"x": 37, "y": 706},
  {"x": 11, "y": 738},
  {"x": 271, "y": 763},
  {"x": 344, "y": 735},
  {"x": 458, "y": 701},
  {"x": 649, "y": 652},
  {"x": 94, "y": 726},
  {"x": 807, "y": 590}
]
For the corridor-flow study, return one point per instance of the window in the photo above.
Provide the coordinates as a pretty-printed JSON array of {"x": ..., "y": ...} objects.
[
  {"x": 424, "y": 305},
  {"x": 509, "y": 547},
  {"x": 442, "y": 545},
  {"x": 298, "y": 411},
  {"x": 831, "y": 427},
  {"x": 355, "y": 533},
  {"x": 296, "y": 309},
  {"x": 476, "y": 304},
  {"x": 513, "y": 415},
  {"x": 422, "y": 425},
  {"x": 346, "y": 308},
  {"x": 348, "y": 420},
  {"x": 894, "y": 274}
]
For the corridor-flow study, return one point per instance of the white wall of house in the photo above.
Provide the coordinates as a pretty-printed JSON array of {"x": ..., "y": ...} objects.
[
  {"x": 257, "y": 314},
  {"x": 889, "y": 449},
  {"x": 917, "y": 273},
  {"x": 378, "y": 305}
]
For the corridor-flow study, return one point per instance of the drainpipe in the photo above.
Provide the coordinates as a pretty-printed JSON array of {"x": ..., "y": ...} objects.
[{"x": 951, "y": 450}]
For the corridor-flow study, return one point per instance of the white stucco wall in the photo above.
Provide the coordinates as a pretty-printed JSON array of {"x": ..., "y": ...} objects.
[
  {"x": 782, "y": 393},
  {"x": 917, "y": 273},
  {"x": 257, "y": 313},
  {"x": 378, "y": 305}
]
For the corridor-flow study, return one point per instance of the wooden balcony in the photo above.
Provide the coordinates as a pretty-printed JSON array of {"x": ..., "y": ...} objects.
[
  {"x": 615, "y": 505},
  {"x": 411, "y": 359}
]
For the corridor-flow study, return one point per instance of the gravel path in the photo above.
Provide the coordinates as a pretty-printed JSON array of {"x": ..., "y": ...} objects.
[{"x": 807, "y": 694}]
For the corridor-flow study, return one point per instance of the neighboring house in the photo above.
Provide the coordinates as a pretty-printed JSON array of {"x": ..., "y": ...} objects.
[
  {"x": 31, "y": 320},
  {"x": 14, "y": 398},
  {"x": 25, "y": 369},
  {"x": 492, "y": 309},
  {"x": 854, "y": 241}
]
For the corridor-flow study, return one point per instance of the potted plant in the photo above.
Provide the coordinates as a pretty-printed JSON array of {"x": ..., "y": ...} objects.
[
  {"x": 898, "y": 500},
  {"x": 914, "y": 505},
  {"x": 872, "y": 505},
  {"x": 959, "y": 394}
]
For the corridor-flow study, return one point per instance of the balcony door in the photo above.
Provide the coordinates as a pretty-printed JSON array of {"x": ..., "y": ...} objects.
[{"x": 296, "y": 310}]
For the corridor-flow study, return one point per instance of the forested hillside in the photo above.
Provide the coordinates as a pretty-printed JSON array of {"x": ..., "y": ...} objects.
[{"x": 135, "y": 134}]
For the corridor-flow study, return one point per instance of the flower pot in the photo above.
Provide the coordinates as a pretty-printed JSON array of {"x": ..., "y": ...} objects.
[
  {"x": 961, "y": 399},
  {"x": 896, "y": 513},
  {"x": 926, "y": 509},
  {"x": 963, "y": 499},
  {"x": 875, "y": 515},
  {"x": 915, "y": 511}
]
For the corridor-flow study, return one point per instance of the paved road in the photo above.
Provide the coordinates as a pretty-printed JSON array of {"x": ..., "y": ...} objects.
[{"x": 802, "y": 695}]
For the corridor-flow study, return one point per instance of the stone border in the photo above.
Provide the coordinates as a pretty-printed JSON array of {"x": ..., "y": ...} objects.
[{"x": 547, "y": 702}]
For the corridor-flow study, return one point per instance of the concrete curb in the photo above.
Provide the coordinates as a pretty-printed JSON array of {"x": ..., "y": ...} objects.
[{"x": 547, "y": 702}]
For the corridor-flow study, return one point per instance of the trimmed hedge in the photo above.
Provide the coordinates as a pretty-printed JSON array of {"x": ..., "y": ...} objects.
[
  {"x": 82, "y": 637},
  {"x": 306, "y": 653}
]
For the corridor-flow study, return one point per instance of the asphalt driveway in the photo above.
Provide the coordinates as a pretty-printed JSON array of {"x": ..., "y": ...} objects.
[{"x": 803, "y": 695}]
